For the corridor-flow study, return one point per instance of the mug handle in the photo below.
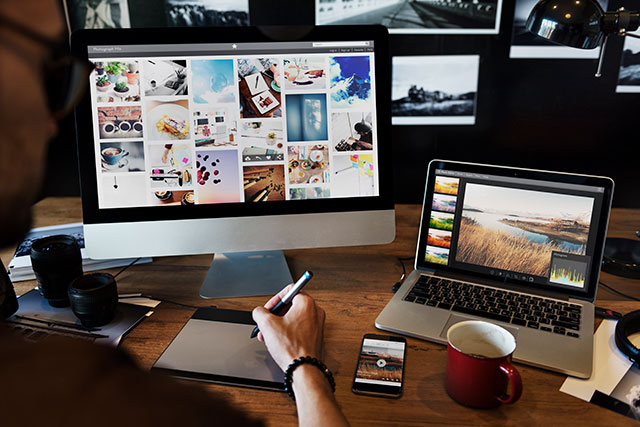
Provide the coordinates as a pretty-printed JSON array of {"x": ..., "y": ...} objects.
[
  {"x": 516, "y": 383},
  {"x": 125, "y": 153}
]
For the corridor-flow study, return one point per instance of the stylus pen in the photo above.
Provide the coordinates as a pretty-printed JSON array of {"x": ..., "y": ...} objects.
[{"x": 287, "y": 298}]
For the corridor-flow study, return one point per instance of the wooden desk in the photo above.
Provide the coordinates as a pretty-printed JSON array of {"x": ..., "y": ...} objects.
[{"x": 352, "y": 284}]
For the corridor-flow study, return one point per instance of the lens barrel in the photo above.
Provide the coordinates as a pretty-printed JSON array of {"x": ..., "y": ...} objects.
[
  {"x": 56, "y": 262},
  {"x": 94, "y": 298}
]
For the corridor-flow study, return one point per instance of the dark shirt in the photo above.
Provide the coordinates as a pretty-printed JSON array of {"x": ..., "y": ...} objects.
[
  {"x": 66, "y": 382},
  {"x": 366, "y": 137}
]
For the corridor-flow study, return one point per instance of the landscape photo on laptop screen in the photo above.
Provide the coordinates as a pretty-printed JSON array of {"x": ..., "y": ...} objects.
[
  {"x": 234, "y": 123},
  {"x": 522, "y": 229}
]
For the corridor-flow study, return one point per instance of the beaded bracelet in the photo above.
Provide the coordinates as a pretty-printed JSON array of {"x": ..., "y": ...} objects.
[{"x": 288, "y": 375}]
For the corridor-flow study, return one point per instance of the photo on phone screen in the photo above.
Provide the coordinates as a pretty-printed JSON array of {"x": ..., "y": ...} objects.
[{"x": 380, "y": 366}]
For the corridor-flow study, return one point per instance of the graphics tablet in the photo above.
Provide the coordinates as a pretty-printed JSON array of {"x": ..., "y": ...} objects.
[{"x": 214, "y": 346}]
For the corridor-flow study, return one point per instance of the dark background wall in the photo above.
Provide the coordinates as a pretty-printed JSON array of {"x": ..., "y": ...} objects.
[{"x": 534, "y": 113}]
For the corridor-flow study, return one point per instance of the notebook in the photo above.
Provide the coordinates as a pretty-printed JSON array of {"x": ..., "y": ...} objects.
[{"x": 517, "y": 247}]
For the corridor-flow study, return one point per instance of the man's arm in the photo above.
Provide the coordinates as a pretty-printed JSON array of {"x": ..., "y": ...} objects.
[
  {"x": 297, "y": 334},
  {"x": 363, "y": 145},
  {"x": 314, "y": 398}
]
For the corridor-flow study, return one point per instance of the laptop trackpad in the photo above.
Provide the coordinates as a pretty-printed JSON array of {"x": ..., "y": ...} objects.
[{"x": 454, "y": 318}]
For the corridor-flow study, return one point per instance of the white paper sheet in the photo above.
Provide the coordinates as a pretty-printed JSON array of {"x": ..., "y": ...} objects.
[
  {"x": 144, "y": 301},
  {"x": 256, "y": 83},
  {"x": 609, "y": 366}
]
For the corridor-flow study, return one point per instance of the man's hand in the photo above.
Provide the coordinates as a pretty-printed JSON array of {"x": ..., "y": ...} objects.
[{"x": 298, "y": 333}]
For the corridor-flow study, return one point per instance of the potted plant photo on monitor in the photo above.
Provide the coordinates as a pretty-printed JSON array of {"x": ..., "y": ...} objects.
[
  {"x": 132, "y": 73},
  {"x": 121, "y": 88},
  {"x": 103, "y": 83},
  {"x": 113, "y": 70}
]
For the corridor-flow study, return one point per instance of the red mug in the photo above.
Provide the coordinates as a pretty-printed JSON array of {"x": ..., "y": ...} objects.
[{"x": 479, "y": 365}]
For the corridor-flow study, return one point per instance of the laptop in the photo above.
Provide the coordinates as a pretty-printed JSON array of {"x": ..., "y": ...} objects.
[{"x": 520, "y": 248}]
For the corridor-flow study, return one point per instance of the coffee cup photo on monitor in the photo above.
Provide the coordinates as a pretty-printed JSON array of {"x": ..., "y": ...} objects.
[
  {"x": 120, "y": 122},
  {"x": 122, "y": 156}
]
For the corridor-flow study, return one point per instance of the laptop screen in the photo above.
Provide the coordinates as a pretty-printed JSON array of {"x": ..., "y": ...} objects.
[{"x": 542, "y": 229}]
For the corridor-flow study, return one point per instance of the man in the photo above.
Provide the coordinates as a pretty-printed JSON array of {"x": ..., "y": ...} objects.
[
  {"x": 72, "y": 383},
  {"x": 365, "y": 137}
]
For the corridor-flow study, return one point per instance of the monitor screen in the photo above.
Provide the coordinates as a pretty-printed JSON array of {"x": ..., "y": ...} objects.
[
  {"x": 542, "y": 229},
  {"x": 214, "y": 123},
  {"x": 202, "y": 140}
]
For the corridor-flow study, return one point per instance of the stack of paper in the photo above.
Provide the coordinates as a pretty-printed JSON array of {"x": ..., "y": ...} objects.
[
  {"x": 20, "y": 266},
  {"x": 37, "y": 315}
]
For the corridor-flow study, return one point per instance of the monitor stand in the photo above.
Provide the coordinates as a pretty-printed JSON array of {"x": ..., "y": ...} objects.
[{"x": 243, "y": 274}]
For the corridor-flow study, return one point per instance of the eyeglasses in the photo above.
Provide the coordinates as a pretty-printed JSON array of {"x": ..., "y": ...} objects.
[{"x": 64, "y": 76}]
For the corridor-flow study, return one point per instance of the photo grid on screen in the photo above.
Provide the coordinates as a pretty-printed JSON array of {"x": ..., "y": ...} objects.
[{"x": 233, "y": 128}]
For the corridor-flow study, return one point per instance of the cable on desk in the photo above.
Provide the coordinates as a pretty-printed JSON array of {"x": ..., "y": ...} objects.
[
  {"x": 615, "y": 291},
  {"x": 125, "y": 267},
  {"x": 397, "y": 285}
]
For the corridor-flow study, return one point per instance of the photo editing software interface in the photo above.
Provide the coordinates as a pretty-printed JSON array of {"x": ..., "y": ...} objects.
[
  {"x": 380, "y": 362},
  {"x": 534, "y": 231},
  {"x": 231, "y": 123}
]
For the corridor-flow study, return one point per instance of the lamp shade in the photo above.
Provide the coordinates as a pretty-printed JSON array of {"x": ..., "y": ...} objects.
[{"x": 575, "y": 23}]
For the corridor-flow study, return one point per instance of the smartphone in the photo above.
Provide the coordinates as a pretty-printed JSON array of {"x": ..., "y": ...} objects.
[{"x": 380, "y": 369}]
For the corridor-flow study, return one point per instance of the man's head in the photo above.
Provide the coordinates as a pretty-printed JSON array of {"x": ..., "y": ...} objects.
[
  {"x": 26, "y": 124},
  {"x": 362, "y": 127}
]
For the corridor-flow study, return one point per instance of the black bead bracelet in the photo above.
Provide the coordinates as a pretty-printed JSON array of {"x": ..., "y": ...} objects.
[{"x": 288, "y": 375}]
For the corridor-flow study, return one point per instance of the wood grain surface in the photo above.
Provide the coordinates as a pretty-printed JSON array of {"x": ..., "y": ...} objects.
[{"x": 352, "y": 284}]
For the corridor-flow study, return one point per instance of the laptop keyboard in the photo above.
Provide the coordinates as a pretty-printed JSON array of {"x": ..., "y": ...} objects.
[{"x": 546, "y": 314}]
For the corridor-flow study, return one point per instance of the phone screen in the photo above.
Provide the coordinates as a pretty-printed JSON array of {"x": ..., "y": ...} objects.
[{"x": 380, "y": 366}]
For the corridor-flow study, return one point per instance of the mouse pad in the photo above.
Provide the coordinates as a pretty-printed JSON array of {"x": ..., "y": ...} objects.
[{"x": 214, "y": 346}]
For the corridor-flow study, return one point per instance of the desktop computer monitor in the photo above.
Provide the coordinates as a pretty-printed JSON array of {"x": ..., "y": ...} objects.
[{"x": 236, "y": 141}]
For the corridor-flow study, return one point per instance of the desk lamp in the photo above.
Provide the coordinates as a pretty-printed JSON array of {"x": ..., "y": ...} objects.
[
  {"x": 580, "y": 23},
  {"x": 584, "y": 24}
]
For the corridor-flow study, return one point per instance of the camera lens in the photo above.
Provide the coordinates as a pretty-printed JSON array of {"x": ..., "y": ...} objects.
[
  {"x": 94, "y": 298},
  {"x": 56, "y": 261}
]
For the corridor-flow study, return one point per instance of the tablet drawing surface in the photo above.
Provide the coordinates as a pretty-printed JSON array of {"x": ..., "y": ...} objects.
[{"x": 214, "y": 345}]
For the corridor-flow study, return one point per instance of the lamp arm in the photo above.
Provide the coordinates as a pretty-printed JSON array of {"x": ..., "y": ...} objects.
[
  {"x": 601, "y": 56},
  {"x": 621, "y": 21}
]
